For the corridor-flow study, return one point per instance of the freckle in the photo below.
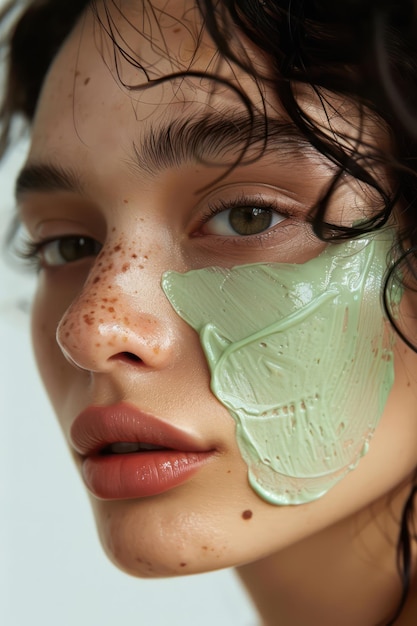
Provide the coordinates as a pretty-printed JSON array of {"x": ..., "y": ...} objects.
[
  {"x": 124, "y": 339},
  {"x": 145, "y": 256},
  {"x": 126, "y": 201},
  {"x": 98, "y": 345},
  {"x": 183, "y": 564},
  {"x": 110, "y": 343},
  {"x": 141, "y": 267},
  {"x": 88, "y": 319},
  {"x": 176, "y": 30},
  {"x": 247, "y": 514},
  {"x": 111, "y": 309},
  {"x": 229, "y": 471},
  {"x": 125, "y": 267},
  {"x": 64, "y": 323},
  {"x": 156, "y": 350},
  {"x": 87, "y": 80},
  {"x": 134, "y": 256},
  {"x": 109, "y": 287},
  {"x": 101, "y": 321},
  {"x": 113, "y": 230},
  {"x": 102, "y": 306},
  {"x": 97, "y": 278},
  {"x": 204, "y": 547},
  {"x": 67, "y": 334},
  {"x": 117, "y": 248}
]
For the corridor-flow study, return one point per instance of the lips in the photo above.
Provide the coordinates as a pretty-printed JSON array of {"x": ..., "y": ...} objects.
[{"x": 130, "y": 454}]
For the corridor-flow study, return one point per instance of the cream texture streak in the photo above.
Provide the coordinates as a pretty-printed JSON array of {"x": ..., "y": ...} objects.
[{"x": 301, "y": 357}]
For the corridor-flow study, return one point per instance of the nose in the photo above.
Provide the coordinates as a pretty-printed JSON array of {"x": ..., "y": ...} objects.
[{"x": 119, "y": 317}]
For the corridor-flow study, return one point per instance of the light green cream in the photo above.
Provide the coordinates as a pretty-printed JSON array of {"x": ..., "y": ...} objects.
[{"x": 301, "y": 357}]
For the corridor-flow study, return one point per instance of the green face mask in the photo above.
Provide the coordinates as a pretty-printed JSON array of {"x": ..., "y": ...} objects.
[{"x": 301, "y": 357}]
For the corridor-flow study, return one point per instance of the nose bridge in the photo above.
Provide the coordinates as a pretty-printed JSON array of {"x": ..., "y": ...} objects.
[{"x": 120, "y": 312}]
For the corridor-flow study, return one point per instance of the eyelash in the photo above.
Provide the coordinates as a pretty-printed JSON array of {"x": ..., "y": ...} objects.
[{"x": 28, "y": 252}]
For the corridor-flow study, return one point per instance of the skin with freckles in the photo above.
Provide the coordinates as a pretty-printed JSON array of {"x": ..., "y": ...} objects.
[{"x": 113, "y": 218}]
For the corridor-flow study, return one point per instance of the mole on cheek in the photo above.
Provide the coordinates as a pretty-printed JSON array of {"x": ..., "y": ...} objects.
[{"x": 247, "y": 514}]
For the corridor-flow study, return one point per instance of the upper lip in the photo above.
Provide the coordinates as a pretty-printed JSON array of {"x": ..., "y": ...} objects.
[{"x": 99, "y": 426}]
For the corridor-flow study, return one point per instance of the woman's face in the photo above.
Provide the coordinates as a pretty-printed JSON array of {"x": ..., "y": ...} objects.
[{"x": 124, "y": 185}]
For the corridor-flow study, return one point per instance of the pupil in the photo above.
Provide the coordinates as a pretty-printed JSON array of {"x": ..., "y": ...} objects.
[
  {"x": 74, "y": 248},
  {"x": 250, "y": 220}
]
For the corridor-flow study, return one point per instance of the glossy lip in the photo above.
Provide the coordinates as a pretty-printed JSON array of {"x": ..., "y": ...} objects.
[{"x": 139, "y": 474}]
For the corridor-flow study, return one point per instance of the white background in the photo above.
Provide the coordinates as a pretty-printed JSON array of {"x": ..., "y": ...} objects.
[{"x": 52, "y": 570}]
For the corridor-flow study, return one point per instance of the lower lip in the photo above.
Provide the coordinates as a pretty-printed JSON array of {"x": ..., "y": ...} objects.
[{"x": 139, "y": 475}]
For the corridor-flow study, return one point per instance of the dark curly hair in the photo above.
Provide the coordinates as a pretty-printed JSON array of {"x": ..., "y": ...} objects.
[{"x": 365, "y": 50}]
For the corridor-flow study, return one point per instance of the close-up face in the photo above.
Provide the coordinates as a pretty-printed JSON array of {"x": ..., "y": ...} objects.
[{"x": 205, "y": 352}]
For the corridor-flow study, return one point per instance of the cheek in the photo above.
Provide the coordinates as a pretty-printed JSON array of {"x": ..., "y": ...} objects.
[
  {"x": 47, "y": 312},
  {"x": 299, "y": 357}
]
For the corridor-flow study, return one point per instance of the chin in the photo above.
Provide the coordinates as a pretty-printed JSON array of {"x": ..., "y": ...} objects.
[{"x": 147, "y": 540}]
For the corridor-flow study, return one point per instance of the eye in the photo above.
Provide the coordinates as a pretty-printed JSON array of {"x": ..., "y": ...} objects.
[
  {"x": 242, "y": 221},
  {"x": 66, "y": 250}
]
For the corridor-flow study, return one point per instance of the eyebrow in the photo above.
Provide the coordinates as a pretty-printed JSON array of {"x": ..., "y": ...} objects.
[
  {"x": 239, "y": 138},
  {"x": 46, "y": 177}
]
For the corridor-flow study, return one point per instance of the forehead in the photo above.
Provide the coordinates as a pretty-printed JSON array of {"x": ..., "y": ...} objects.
[
  {"x": 109, "y": 80},
  {"x": 116, "y": 58}
]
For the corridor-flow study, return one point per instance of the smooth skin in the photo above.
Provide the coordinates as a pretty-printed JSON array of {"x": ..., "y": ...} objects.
[{"x": 328, "y": 562}]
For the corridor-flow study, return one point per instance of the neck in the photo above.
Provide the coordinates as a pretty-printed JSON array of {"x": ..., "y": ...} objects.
[{"x": 346, "y": 574}]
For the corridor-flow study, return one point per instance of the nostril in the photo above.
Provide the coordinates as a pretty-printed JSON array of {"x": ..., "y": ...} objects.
[
  {"x": 128, "y": 356},
  {"x": 131, "y": 357}
]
